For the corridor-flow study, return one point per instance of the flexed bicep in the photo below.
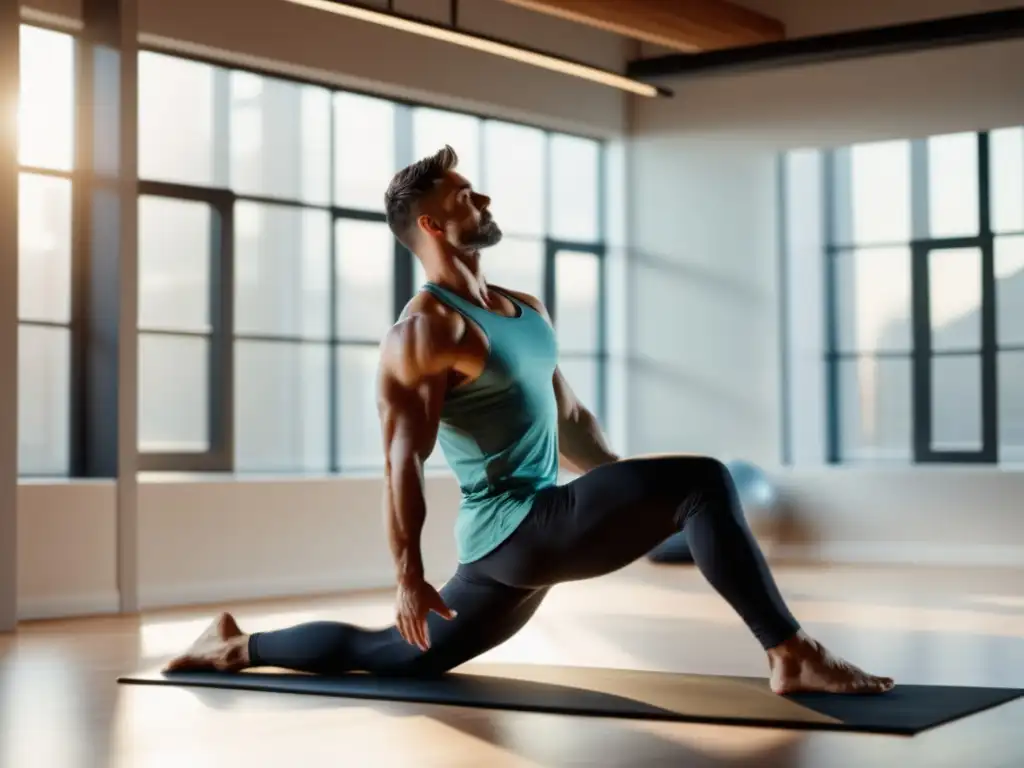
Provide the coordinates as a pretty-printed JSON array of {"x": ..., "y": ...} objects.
[{"x": 411, "y": 387}]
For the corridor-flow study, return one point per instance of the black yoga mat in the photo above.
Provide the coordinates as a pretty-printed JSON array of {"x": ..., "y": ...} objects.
[
  {"x": 622, "y": 693},
  {"x": 906, "y": 710}
]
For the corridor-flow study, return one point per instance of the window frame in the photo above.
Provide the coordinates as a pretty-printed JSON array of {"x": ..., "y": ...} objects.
[
  {"x": 600, "y": 356},
  {"x": 220, "y": 369},
  {"x": 220, "y": 458},
  {"x": 837, "y": 204},
  {"x": 76, "y": 324}
]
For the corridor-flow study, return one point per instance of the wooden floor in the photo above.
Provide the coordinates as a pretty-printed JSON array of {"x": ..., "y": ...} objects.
[{"x": 60, "y": 706}]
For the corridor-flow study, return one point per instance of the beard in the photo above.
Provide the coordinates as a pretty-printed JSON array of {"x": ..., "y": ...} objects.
[{"x": 488, "y": 233}]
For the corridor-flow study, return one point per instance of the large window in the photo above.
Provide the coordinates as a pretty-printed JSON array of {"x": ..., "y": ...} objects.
[
  {"x": 46, "y": 154},
  {"x": 268, "y": 276},
  {"x": 925, "y": 281}
]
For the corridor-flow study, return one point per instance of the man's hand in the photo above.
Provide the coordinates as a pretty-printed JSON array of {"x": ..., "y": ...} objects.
[{"x": 414, "y": 604}]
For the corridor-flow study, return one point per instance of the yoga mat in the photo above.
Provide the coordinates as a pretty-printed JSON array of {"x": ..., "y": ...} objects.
[{"x": 906, "y": 710}]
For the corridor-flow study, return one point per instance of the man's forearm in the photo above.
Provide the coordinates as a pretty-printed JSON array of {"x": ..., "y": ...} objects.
[
  {"x": 582, "y": 444},
  {"x": 405, "y": 512}
]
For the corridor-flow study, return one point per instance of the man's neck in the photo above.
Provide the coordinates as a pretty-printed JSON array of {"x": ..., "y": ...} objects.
[{"x": 462, "y": 277}]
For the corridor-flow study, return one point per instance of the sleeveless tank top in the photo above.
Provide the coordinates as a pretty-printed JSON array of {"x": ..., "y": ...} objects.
[{"x": 499, "y": 433}]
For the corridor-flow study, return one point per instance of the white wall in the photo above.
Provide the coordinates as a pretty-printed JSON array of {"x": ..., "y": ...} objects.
[
  {"x": 955, "y": 516},
  {"x": 221, "y": 539},
  {"x": 703, "y": 373},
  {"x": 67, "y": 548},
  {"x": 209, "y": 539}
]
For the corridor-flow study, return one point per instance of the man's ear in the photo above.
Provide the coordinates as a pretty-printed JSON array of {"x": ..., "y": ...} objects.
[{"x": 429, "y": 225}]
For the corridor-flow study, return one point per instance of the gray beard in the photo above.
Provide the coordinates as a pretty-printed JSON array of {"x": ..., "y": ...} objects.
[{"x": 488, "y": 235}]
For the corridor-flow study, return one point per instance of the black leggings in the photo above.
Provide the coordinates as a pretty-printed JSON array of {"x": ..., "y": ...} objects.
[{"x": 593, "y": 526}]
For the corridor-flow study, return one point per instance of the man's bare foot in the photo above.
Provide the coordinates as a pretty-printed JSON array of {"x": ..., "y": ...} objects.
[
  {"x": 802, "y": 665},
  {"x": 222, "y": 647}
]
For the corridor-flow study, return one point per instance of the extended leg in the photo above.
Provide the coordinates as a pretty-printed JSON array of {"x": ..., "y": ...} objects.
[
  {"x": 615, "y": 514},
  {"x": 488, "y": 614}
]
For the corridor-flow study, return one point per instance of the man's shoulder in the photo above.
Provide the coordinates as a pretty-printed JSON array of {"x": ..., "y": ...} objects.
[
  {"x": 425, "y": 304},
  {"x": 424, "y": 323}
]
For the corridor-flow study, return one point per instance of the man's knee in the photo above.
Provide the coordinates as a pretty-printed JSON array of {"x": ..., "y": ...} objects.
[
  {"x": 707, "y": 485},
  {"x": 702, "y": 471}
]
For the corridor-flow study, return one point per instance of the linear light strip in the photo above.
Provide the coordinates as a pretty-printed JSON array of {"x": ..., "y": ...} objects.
[{"x": 485, "y": 45}]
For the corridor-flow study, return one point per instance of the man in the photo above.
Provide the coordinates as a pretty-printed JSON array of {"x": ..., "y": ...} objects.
[{"x": 475, "y": 367}]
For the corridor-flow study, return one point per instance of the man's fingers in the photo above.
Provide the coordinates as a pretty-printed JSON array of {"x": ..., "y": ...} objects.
[
  {"x": 407, "y": 628},
  {"x": 425, "y": 632},
  {"x": 416, "y": 627},
  {"x": 441, "y": 608},
  {"x": 403, "y": 628}
]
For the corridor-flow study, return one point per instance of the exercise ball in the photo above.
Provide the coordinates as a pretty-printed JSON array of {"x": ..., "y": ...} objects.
[
  {"x": 758, "y": 498},
  {"x": 755, "y": 489}
]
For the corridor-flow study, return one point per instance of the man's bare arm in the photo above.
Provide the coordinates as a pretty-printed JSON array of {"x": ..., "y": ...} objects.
[
  {"x": 414, "y": 362},
  {"x": 581, "y": 441}
]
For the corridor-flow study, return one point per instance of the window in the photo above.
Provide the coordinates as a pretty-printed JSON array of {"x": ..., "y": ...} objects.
[
  {"x": 575, "y": 189},
  {"x": 432, "y": 129},
  {"x": 280, "y": 137},
  {"x": 268, "y": 275},
  {"x": 282, "y": 329},
  {"x": 925, "y": 266},
  {"x": 46, "y": 154},
  {"x": 175, "y": 324},
  {"x": 578, "y": 291},
  {"x": 578, "y": 322},
  {"x": 364, "y": 150},
  {"x": 183, "y": 123}
]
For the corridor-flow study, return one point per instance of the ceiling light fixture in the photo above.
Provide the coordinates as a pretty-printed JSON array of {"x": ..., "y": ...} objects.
[{"x": 448, "y": 34}]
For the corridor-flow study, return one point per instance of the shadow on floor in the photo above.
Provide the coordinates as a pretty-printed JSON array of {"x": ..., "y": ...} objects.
[{"x": 556, "y": 740}]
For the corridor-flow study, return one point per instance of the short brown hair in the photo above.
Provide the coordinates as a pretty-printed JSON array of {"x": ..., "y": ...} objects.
[{"x": 410, "y": 185}]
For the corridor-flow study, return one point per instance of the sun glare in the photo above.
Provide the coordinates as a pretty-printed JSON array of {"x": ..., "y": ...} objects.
[{"x": 45, "y": 111}]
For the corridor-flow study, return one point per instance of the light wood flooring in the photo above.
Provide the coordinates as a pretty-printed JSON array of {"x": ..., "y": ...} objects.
[{"x": 61, "y": 708}]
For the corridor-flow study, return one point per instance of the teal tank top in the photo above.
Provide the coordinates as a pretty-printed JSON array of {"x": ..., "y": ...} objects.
[{"x": 499, "y": 433}]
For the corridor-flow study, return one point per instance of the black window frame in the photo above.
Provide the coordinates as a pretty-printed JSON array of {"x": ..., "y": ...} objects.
[
  {"x": 219, "y": 457},
  {"x": 921, "y": 246}
]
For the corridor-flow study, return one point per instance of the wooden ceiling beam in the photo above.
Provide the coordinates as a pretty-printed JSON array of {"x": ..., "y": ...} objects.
[{"x": 683, "y": 25}]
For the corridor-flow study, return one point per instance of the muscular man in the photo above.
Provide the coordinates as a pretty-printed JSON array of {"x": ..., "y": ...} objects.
[{"x": 475, "y": 367}]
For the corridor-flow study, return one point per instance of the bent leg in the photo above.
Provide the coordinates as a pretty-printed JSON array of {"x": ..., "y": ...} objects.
[
  {"x": 488, "y": 614},
  {"x": 615, "y": 514}
]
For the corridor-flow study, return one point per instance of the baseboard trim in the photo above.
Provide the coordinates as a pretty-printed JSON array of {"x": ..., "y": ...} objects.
[
  {"x": 66, "y": 606},
  {"x": 899, "y": 553}
]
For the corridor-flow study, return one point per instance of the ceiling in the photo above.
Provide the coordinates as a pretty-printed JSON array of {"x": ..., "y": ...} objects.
[{"x": 691, "y": 26}]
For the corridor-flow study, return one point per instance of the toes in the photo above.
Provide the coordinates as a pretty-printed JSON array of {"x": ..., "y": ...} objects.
[
  {"x": 227, "y": 626},
  {"x": 876, "y": 685},
  {"x": 178, "y": 664}
]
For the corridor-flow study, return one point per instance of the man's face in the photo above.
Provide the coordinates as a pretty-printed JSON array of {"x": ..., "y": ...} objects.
[{"x": 462, "y": 214}]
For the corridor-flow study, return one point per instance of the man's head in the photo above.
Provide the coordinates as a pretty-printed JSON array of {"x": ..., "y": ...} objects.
[{"x": 429, "y": 202}]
